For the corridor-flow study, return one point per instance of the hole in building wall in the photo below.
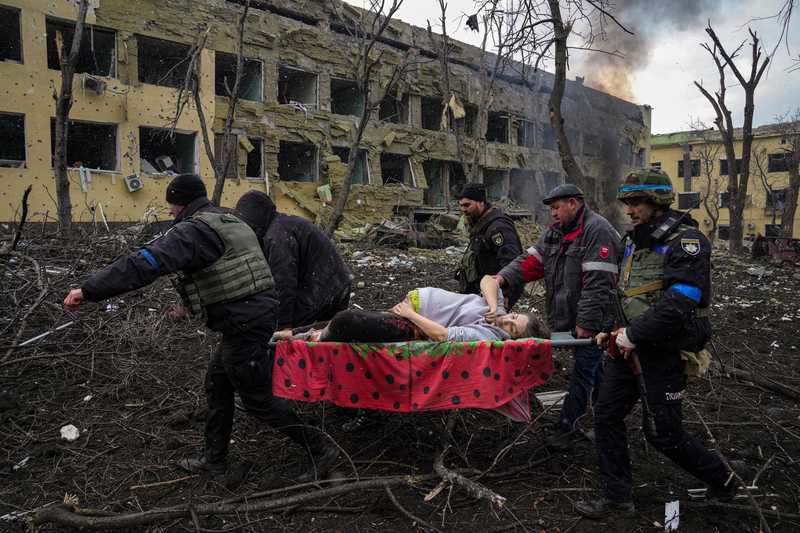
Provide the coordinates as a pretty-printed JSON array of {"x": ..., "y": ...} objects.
[
  {"x": 435, "y": 194},
  {"x": 12, "y": 140},
  {"x": 394, "y": 110},
  {"x": 346, "y": 99},
  {"x": 396, "y": 168},
  {"x": 497, "y": 127},
  {"x": 526, "y": 134},
  {"x": 89, "y": 144},
  {"x": 456, "y": 179},
  {"x": 468, "y": 124},
  {"x": 431, "y": 113},
  {"x": 523, "y": 189},
  {"x": 254, "y": 168},
  {"x": 161, "y": 152},
  {"x": 295, "y": 85},
  {"x": 162, "y": 62},
  {"x": 225, "y": 72},
  {"x": 96, "y": 55},
  {"x": 361, "y": 170},
  {"x": 297, "y": 161},
  {"x": 248, "y": 155},
  {"x": 10, "y": 35},
  {"x": 496, "y": 183}
]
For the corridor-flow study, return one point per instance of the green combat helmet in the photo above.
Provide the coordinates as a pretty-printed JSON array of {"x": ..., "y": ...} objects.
[{"x": 649, "y": 184}]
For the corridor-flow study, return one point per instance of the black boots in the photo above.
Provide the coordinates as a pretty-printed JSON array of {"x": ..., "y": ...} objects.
[
  {"x": 320, "y": 464},
  {"x": 201, "y": 466}
]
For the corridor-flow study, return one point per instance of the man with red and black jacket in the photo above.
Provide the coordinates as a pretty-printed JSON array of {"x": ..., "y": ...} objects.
[
  {"x": 577, "y": 258},
  {"x": 223, "y": 276}
]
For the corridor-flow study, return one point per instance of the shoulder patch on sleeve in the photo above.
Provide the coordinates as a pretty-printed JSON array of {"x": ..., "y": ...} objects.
[
  {"x": 690, "y": 246},
  {"x": 497, "y": 238},
  {"x": 603, "y": 253}
]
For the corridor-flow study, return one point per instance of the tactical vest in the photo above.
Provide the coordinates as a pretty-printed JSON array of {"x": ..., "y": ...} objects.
[
  {"x": 241, "y": 271},
  {"x": 642, "y": 282}
]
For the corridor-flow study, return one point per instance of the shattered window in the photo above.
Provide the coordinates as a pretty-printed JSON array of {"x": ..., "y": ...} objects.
[
  {"x": 688, "y": 200},
  {"x": 497, "y": 127},
  {"x": 346, "y": 99},
  {"x": 456, "y": 180},
  {"x": 12, "y": 140},
  {"x": 297, "y": 161},
  {"x": 775, "y": 199},
  {"x": 89, "y": 144},
  {"x": 523, "y": 189},
  {"x": 435, "y": 193},
  {"x": 255, "y": 158},
  {"x": 777, "y": 163},
  {"x": 548, "y": 137},
  {"x": 296, "y": 86},
  {"x": 723, "y": 166},
  {"x": 525, "y": 134},
  {"x": 361, "y": 170},
  {"x": 225, "y": 73},
  {"x": 496, "y": 184},
  {"x": 10, "y": 35},
  {"x": 394, "y": 110},
  {"x": 161, "y": 152},
  {"x": 396, "y": 168},
  {"x": 162, "y": 62},
  {"x": 695, "y": 167},
  {"x": 96, "y": 55},
  {"x": 431, "y": 113},
  {"x": 724, "y": 200}
]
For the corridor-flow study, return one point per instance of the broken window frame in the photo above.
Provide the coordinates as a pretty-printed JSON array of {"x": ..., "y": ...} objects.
[
  {"x": 530, "y": 191},
  {"x": 67, "y": 27},
  {"x": 724, "y": 201},
  {"x": 443, "y": 179},
  {"x": 176, "y": 161},
  {"x": 88, "y": 145},
  {"x": 172, "y": 77},
  {"x": 6, "y": 162},
  {"x": 401, "y": 108},
  {"x": 526, "y": 133},
  {"x": 723, "y": 166},
  {"x": 366, "y": 173},
  {"x": 426, "y": 102},
  {"x": 258, "y": 147},
  {"x": 688, "y": 200},
  {"x": 469, "y": 124},
  {"x": 778, "y": 162},
  {"x": 6, "y": 12},
  {"x": 775, "y": 200},
  {"x": 408, "y": 166},
  {"x": 695, "y": 167},
  {"x": 314, "y": 104},
  {"x": 353, "y": 86},
  {"x": 501, "y": 115},
  {"x": 504, "y": 182},
  {"x": 315, "y": 160},
  {"x": 219, "y": 81},
  {"x": 549, "y": 140}
]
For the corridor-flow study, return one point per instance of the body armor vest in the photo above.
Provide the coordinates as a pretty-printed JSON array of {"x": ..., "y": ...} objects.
[{"x": 241, "y": 271}]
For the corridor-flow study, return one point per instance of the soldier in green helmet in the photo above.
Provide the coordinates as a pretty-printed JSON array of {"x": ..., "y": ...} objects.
[{"x": 665, "y": 293}]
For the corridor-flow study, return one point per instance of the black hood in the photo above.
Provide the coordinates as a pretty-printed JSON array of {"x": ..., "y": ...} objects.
[{"x": 257, "y": 209}]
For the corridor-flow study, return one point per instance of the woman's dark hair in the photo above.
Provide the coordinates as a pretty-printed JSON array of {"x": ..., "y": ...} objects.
[{"x": 536, "y": 327}]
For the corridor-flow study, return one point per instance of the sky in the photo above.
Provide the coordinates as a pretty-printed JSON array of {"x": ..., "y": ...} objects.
[{"x": 672, "y": 60}]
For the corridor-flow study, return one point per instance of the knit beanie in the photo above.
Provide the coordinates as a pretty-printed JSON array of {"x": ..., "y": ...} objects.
[
  {"x": 257, "y": 209},
  {"x": 473, "y": 191},
  {"x": 184, "y": 188}
]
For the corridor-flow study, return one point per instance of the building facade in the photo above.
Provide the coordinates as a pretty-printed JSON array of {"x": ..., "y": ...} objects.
[
  {"x": 295, "y": 119},
  {"x": 704, "y": 192}
]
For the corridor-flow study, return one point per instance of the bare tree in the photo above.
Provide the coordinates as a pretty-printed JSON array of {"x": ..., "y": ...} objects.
[
  {"x": 759, "y": 160},
  {"x": 220, "y": 162},
  {"x": 68, "y": 60},
  {"x": 365, "y": 64},
  {"x": 738, "y": 178},
  {"x": 708, "y": 152},
  {"x": 790, "y": 133}
]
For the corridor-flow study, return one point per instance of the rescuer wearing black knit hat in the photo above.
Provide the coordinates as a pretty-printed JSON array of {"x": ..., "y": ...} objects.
[
  {"x": 223, "y": 276},
  {"x": 493, "y": 241}
]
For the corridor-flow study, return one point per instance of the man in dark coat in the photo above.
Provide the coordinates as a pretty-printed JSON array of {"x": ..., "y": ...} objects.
[
  {"x": 312, "y": 280},
  {"x": 493, "y": 241},
  {"x": 222, "y": 275},
  {"x": 577, "y": 257}
]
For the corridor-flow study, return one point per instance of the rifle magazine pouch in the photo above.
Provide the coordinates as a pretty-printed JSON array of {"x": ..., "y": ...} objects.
[{"x": 697, "y": 363}]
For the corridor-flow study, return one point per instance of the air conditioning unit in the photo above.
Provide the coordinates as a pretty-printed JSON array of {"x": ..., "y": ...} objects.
[
  {"x": 93, "y": 84},
  {"x": 133, "y": 182}
]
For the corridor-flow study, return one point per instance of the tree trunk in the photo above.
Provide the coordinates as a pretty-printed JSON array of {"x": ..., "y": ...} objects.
[
  {"x": 790, "y": 201},
  {"x": 63, "y": 106},
  {"x": 568, "y": 162}
]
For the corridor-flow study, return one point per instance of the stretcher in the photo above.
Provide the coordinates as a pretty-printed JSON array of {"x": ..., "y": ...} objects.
[{"x": 416, "y": 376}]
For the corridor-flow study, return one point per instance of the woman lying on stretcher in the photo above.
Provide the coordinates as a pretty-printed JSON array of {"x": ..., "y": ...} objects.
[{"x": 435, "y": 314}]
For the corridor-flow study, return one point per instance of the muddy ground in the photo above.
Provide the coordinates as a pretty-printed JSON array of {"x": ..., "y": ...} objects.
[{"x": 130, "y": 379}]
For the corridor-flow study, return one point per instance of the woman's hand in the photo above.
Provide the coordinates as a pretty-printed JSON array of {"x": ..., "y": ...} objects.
[
  {"x": 403, "y": 309},
  {"x": 491, "y": 315}
]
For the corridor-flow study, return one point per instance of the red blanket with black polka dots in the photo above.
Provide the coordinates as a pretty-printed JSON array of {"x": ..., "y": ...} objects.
[{"x": 412, "y": 376}]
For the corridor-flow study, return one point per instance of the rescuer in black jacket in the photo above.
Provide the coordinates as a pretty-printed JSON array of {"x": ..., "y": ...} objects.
[
  {"x": 312, "y": 280},
  {"x": 223, "y": 275},
  {"x": 665, "y": 294},
  {"x": 493, "y": 242}
]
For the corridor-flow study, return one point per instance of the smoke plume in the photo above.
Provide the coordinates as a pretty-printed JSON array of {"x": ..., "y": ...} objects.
[{"x": 649, "y": 20}]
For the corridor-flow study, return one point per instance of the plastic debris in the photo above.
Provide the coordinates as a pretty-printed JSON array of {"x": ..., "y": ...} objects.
[
  {"x": 672, "y": 515},
  {"x": 70, "y": 433}
]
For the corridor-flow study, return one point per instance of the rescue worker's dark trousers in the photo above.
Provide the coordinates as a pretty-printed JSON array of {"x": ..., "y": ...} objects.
[
  {"x": 665, "y": 382},
  {"x": 587, "y": 374},
  {"x": 243, "y": 364}
]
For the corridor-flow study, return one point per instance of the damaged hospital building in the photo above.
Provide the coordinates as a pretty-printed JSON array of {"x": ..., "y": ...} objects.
[{"x": 296, "y": 117}]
